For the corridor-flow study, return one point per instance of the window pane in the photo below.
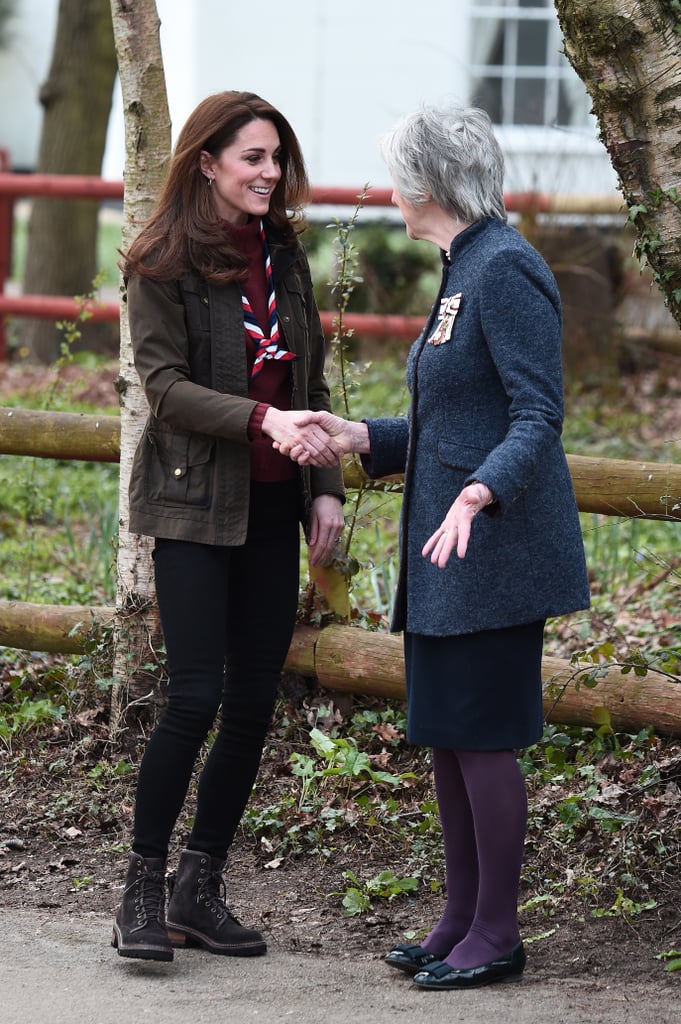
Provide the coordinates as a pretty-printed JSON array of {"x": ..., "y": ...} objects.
[
  {"x": 529, "y": 101},
  {"x": 487, "y": 94},
  {"x": 532, "y": 40},
  {"x": 533, "y": 3},
  {"x": 487, "y": 41}
]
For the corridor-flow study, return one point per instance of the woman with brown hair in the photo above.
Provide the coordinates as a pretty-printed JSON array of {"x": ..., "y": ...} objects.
[{"x": 228, "y": 344}]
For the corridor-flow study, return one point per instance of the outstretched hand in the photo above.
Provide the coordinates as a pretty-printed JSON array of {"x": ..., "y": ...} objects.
[
  {"x": 455, "y": 530},
  {"x": 292, "y": 430}
]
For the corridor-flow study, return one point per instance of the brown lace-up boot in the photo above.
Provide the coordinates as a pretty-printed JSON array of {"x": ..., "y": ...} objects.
[
  {"x": 139, "y": 929},
  {"x": 197, "y": 915}
]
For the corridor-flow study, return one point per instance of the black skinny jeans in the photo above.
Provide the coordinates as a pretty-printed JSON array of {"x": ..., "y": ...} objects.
[{"x": 228, "y": 615}]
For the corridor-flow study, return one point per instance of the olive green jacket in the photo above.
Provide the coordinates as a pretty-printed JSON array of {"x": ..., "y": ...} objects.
[{"x": 190, "y": 478}]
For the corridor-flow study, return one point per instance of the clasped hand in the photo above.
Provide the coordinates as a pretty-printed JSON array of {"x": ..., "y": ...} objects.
[
  {"x": 302, "y": 436},
  {"x": 329, "y": 437}
]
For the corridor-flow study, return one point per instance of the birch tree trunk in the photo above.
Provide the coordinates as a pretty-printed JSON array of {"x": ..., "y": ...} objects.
[
  {"x": 137, "y": 633},
  {"x": 628, "y": 54}
]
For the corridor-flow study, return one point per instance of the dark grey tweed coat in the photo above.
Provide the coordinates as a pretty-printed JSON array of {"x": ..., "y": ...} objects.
[{"x": 487, "y": 405}]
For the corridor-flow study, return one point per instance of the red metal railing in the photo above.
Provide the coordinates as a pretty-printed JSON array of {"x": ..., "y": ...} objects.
[
  {"x": 73, "y": 186},
  {"x": 369, "y": 325}
]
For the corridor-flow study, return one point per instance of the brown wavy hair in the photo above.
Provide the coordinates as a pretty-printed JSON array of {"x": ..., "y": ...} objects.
[{"x": 184, "y": 232}]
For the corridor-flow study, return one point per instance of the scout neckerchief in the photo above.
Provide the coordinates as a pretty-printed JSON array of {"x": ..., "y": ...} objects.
[{"x": 266, "y": 347}]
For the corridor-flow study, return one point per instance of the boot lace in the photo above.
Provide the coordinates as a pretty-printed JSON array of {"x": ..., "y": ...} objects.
[
  {"x": 212, "y": 890},
  {"x": 148, "y": 899}
]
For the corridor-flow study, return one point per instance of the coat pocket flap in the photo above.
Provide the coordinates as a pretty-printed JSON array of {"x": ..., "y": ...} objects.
[
  {"x": 457, "y": 455},
  {"x": 181, "y": 450}
]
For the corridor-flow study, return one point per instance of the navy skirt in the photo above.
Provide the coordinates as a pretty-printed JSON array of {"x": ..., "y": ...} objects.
[{"x": 477, "y": 691}]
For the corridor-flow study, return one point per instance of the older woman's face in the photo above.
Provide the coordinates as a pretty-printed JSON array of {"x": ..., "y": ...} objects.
[{"x": 412, "y": 215}]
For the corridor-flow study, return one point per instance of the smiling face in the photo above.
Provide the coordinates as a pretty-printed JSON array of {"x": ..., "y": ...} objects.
[{"x": 245, "y": 173}]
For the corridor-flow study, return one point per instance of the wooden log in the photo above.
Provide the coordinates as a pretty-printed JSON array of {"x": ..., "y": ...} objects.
[
  {"x": 62, "y": 629},
  {"x": 355, "y": 660},
  {"x": 615, "y": 487},
  {"x": 618, "y": 487},
  {"x": 631, "y": 701},
  {"x": 359, "y": 661},
  {"x": 59, "y": 435},
  {"x": 301, "y": 653},
  {"x": 662, "y": 339}
]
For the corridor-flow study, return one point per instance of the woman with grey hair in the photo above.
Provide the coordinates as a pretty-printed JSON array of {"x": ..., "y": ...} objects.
[{"x": 485, "y": 480}]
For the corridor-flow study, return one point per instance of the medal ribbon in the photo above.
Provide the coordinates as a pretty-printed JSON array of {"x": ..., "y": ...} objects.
[{"x": 266, "y": 347}]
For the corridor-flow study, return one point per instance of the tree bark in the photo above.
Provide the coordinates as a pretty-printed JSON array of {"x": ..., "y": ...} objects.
[
  {"x": 61, "y": 252},
  {"x": 147, "y": 153},
  {"x": 628, "y": 54}
]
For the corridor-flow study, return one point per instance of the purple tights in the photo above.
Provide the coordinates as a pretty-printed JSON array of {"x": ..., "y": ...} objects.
[{"x": 483, "y": 808}]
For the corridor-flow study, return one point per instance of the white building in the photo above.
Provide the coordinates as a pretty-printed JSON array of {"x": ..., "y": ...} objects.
[{"x": 343, "y": 73}]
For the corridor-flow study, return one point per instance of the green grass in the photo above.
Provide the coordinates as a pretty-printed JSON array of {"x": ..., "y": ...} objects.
[{"x": 58, "y": 528}]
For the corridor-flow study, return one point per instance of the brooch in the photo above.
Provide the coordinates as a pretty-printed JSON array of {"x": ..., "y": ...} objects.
[{"x": 446, "y": 317}]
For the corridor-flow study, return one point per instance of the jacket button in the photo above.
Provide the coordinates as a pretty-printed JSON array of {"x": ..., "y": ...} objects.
[{"x": 178, "y": 472}]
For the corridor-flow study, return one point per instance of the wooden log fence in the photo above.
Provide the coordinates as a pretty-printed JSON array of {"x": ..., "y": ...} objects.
[
  {"x": 351, "y": 660},
  {"x": 52, "y": 628},
  {"x": 613, "y": 487},
  {"x": 346, "y": 658},
  {"x": 43, "y": 434}
]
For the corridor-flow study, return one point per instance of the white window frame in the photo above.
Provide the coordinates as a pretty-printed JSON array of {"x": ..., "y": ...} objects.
[{"x": 555, "y": 70}]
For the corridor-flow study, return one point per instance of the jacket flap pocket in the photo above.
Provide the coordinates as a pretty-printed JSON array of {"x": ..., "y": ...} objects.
[
  {"x": 181, "y": 450},
  {"x": 457, "y": 455}
]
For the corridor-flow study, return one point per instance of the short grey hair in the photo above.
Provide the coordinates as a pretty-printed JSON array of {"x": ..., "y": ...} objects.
[{"x": 451, "y": 154}]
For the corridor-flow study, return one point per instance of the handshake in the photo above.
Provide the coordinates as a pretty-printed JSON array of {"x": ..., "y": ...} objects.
[{"x": 314, "y": 438}]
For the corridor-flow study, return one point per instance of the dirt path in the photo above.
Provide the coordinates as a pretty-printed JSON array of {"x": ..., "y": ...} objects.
[{"x": 61, "y": 968}]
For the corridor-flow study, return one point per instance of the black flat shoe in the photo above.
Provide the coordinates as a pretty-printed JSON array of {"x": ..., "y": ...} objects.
[
  {"x": 440, "y": 976},
  {"x": 411, "y": 959}
]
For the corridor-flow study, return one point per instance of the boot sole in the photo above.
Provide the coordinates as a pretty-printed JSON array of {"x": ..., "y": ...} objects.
[
  {"x": 187, "y": 939},
  {"x": 141, "y": 952}
]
